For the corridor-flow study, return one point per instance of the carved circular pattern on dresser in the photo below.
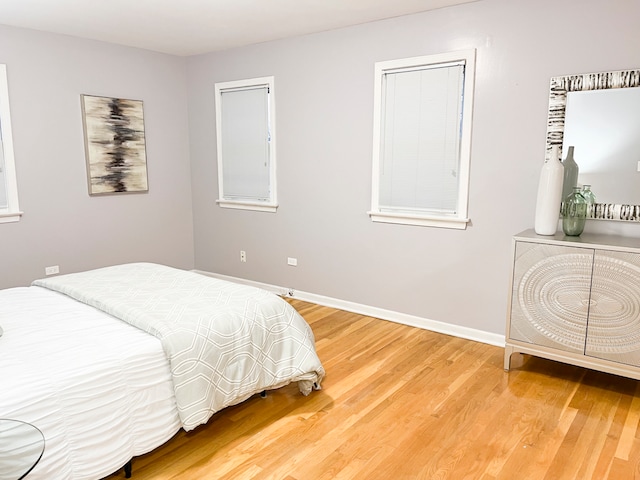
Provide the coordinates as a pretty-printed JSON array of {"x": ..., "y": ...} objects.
[
  {"x": 554, "y": 296},
  {"x": 614, "y": 316},
  {"x": 557, "y": 296}
]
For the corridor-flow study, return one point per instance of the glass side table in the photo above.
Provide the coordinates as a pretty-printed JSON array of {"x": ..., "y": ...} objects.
[{"x": 21, "y": 447}]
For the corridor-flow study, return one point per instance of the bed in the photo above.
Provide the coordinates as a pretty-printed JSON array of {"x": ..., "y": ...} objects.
[{"x": 111, "y": 363}]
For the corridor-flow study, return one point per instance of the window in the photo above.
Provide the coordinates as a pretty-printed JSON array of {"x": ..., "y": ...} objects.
[
  {"x": 422, "y": 137},
  {"x": 9, "y": 210},
  {"x": 245, "y": 128}
]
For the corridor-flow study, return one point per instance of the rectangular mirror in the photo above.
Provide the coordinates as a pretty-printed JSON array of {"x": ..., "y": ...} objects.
[
  {"x": 599, "y": 115},
  {"x": 604, "y": 127}
]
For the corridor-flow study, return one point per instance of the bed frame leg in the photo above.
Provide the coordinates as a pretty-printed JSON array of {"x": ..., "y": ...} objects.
[
  {"x": 263, "y": 394},
  {"x": 127, "y": 469}
]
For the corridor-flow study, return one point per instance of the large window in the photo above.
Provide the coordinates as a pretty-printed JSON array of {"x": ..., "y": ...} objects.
[
  {"x": 422, "y": 137},
  {"x": 245, "y": 127},
  {"x": 9, "y": 209}
]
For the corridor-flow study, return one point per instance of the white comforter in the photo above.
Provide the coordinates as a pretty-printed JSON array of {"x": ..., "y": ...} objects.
[
  {"x": 224, "y": 341},
  {"x": 99, "y": 389}
]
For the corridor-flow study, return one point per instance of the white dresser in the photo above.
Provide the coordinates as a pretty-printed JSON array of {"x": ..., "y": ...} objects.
[{"x": 576, "y": 300}]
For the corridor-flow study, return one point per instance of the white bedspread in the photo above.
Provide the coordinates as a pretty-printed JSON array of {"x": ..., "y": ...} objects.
[
  {"x": 225, "y": 341},
  {"x": 99, "y": 389}
]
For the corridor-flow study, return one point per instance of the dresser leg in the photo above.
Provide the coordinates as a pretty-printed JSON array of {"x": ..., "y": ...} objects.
[{"x": 508, "y": 351}]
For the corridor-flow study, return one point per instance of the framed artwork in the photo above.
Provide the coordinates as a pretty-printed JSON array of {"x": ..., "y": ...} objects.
[{"x": 114, "y": 145}]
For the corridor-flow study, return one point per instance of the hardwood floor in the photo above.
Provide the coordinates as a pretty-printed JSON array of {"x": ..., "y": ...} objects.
[{"x": 404, "y": 403}]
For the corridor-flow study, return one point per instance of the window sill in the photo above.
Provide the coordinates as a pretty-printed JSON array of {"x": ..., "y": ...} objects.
[
  {"x": 10, "y": 217},
  {"x": 240, "y": 205},
  {"x": 420, "y": 220}
]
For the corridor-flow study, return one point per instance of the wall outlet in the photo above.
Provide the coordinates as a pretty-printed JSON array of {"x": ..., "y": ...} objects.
[
  {"x": 292, "y": 261},
  {"x": 243, "y": 256},
  {"x": 52, "y": 270},
  {"x": 290, "y": 292}
]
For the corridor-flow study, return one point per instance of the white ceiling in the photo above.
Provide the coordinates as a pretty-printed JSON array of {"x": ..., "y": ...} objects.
[{"x": 189, "y": 27}]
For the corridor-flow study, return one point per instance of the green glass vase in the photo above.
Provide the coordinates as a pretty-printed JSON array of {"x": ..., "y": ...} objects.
[
  {"x": 574, "y": 213},
  {"x": 590, "y": 198}
]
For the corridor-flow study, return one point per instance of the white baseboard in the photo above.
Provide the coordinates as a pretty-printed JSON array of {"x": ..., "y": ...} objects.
[{"x": 403, "y": 318}]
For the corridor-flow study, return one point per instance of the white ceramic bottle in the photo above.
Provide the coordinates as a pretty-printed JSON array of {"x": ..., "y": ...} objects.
[{"x": 549, "y": 194}]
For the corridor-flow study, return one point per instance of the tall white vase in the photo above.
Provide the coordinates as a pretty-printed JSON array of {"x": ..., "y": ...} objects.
[{"x": 549, "y": 194}]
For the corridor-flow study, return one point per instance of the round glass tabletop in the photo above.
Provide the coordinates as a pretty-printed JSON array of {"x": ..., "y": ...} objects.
[{"x": 21, "y": 447}]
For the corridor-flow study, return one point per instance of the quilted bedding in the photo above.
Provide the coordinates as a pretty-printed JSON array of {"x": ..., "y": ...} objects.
[{"x": 224, "y": 341}]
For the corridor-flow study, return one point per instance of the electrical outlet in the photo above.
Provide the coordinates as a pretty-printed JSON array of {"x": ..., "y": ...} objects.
[
  {"x": 52, "y": 270},
  {"x": 292, "y": 261},
  {"x": 243, "y": 256},
  {"x": 290, "y": 292}
]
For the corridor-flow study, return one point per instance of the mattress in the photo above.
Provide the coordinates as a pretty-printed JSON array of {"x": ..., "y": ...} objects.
[{"x": 99, "y": 389}]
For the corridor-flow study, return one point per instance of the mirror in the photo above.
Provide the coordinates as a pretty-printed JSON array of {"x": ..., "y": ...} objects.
[
  {"x": 604, "y": 128},
  {"x": 599, "y": 114}
]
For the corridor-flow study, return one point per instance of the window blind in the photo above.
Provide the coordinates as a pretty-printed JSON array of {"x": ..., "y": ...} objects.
[
  {"x": 420, "y": 139},
  {"x": 245, "y": 143},
  {"x": 3, "y": 180}
]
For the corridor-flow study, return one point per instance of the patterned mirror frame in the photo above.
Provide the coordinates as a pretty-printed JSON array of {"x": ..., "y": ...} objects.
[{"x": 558, "y": 89}]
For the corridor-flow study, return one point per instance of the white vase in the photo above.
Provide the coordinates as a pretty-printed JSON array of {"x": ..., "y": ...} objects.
[{"x": 549, "y": 195}]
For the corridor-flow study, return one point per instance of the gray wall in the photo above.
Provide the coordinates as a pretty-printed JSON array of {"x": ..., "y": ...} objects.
[
  {"x": 324, "y": 90},
  {"x": 62, "y": 225},
  {"x": 324, "y": 99}
]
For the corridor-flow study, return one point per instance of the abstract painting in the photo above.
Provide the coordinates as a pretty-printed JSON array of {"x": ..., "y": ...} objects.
[{"x": 114, "y": 145}]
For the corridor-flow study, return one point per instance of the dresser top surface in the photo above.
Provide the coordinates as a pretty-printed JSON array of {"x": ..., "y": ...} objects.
[{"x": 586, "y": 240}]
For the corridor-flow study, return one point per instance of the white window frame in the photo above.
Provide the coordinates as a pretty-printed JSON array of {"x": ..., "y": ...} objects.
[
  {"x": 12, "y": 212},
  {"x": 459, "y": 219},
  {"x": 270, "y": 204}
]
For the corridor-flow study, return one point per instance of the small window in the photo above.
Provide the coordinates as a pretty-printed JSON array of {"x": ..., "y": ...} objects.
[
  {"x": 245, "y": 128},
  {"x": 9, "y": 209},
  {"x": 422, "y": 137}
]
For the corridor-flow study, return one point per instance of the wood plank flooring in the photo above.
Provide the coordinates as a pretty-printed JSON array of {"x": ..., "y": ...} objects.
[{"x": 404, "y": 403}]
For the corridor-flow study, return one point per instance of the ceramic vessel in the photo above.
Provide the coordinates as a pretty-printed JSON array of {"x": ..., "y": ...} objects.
[
  {"x": 571, "y": 171},
  {"x": 549, "y": 195}
]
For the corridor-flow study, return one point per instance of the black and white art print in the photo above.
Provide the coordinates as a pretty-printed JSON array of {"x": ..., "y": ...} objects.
[{"x": 114, "y": 145}]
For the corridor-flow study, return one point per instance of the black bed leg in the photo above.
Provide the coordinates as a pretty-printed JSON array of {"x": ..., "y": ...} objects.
[
  {"x": 127, "y": 469},
  {"x": 263, "y": 394}
]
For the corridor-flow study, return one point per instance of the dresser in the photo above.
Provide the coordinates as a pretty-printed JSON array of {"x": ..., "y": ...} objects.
[{"x": 576, "y": 300}]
